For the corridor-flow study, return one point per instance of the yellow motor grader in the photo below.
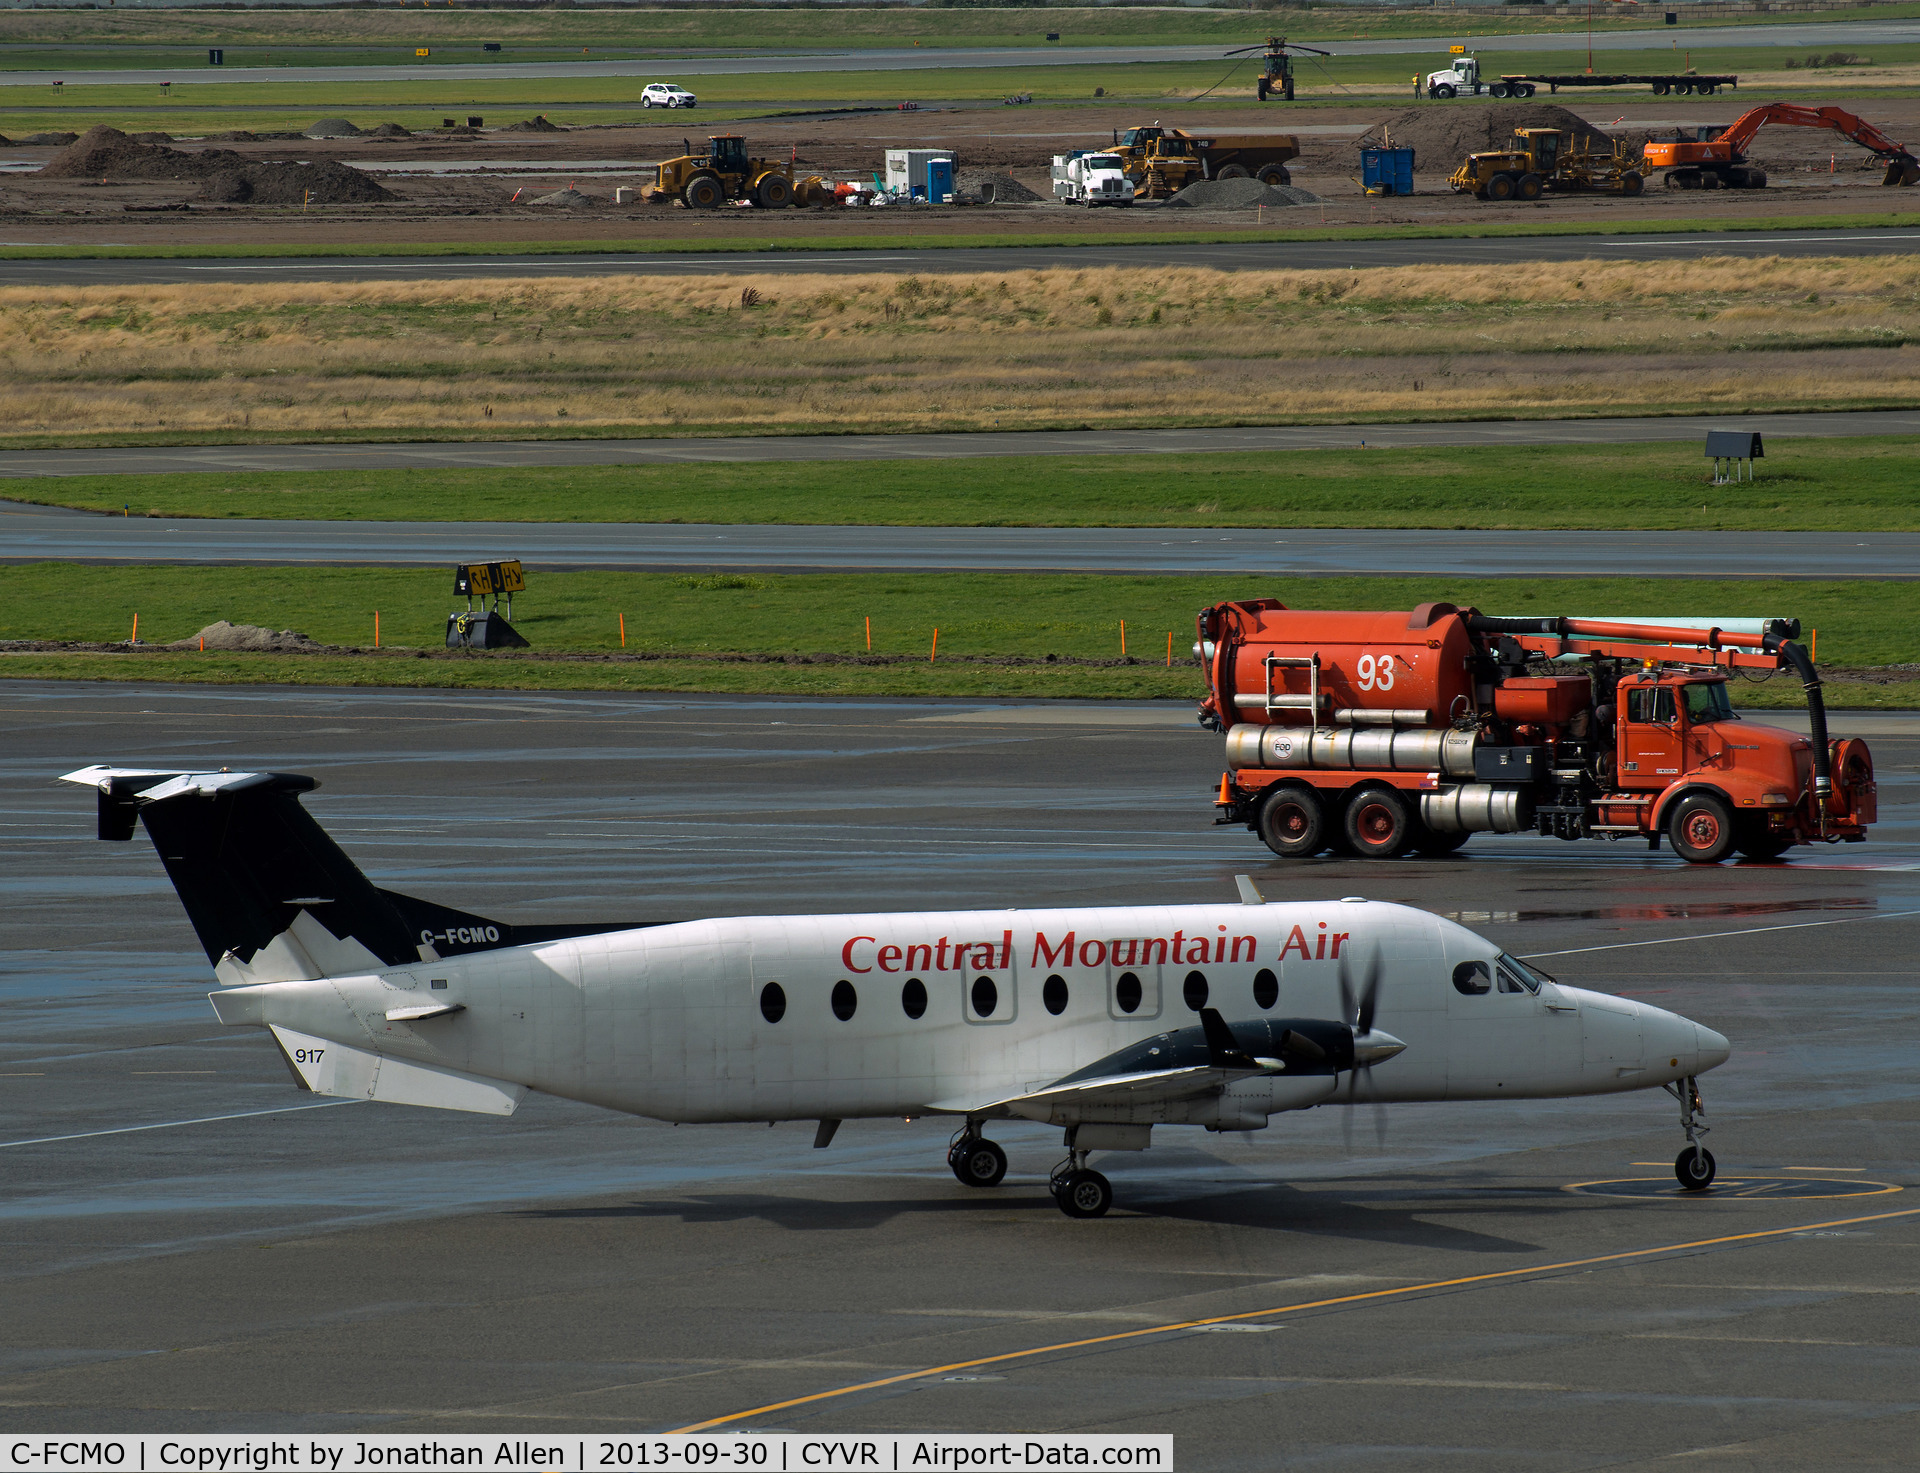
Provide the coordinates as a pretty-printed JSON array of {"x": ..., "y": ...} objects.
[
  {"x": 1541, "y": 161},
  {"x": 704, "y": 181}
]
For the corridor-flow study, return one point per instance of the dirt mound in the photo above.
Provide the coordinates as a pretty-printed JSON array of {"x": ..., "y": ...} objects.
[
  {"x": 331, "y": 128},
  {"x": 47, "y": 140},
  {"x": 1441, "y": 134},
  {"x": 390, "y": 130},
  {"x": 993, "y": 187},
  {"x": 234, "y": 135},
  {"x": 5, "y": 142},
  {"x": 281, "y": 183},
  {"x": 151, "y": 137},
  {"x": 224, "y": 636},
  {"x": 566, "y": 199},
  {"x": 1238, "y": 194},
  {"x": 534, "y": 125},
  {"x": 107, "y": 153}
]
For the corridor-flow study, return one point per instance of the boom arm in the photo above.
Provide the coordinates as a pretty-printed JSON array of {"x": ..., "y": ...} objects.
[{"x": 1847, "y": 124}]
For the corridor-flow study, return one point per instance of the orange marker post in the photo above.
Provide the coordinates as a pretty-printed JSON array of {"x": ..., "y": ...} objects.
[
  {"x": 376, "y": 629},
  {"x": 134, "y": 638},
  {"x": 869, "y": 633},
  {"x": 1123, "y": 639},
  {"x": 203, "y": 644},
  {"x": 1169, "y": 649},
  {"x": 623, "y": 631},
  {"x": 1813, "y": 647},
  {"x": 936, "y": 646}
]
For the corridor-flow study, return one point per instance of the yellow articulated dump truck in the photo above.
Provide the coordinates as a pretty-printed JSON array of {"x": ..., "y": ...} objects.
[
  {"x": 723, "y": 172},
  {"x": 1164, "y": 161},
  {"x": 1541, "y": 160}
]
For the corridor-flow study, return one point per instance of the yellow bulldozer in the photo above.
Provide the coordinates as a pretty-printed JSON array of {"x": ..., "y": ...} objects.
[
  {"x": 707, "y": 180},
  {"x": 1541, "y": 160}
]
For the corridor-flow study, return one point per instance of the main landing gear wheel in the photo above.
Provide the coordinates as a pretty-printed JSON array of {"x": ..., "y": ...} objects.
[
  {"x": 1694, "y": 1166},
  {"x": 1293, "y": 822},
  {"x": 1083, "y": 1193},
  {"x": 977, "y": 1161},
  {"x": 1701, "y": 829}
]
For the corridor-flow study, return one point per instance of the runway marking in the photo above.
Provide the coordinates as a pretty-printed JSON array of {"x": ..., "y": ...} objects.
[
  {"x": 1373, "y": 1295},
  {"x": 1744, "y": 1187},
  {"x": 1892, "y": 915},
  {"x": 47, "y": 1140}
]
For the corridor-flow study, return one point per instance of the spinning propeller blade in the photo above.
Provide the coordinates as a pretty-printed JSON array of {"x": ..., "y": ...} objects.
[{"x": 1358, "y": 1014}]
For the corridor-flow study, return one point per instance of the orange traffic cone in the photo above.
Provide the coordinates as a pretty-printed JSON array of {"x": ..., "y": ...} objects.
[{"x": 1226, "y": 790}]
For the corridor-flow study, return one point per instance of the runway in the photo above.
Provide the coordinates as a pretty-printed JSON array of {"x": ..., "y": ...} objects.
[
  {"x": 50, "y": 535},
  {"x": 909, "y": 59},
  {"x": 454, "y": 455},
  {"x": 1263, "y": 255},
  {"x": 341, "y": 1267}
]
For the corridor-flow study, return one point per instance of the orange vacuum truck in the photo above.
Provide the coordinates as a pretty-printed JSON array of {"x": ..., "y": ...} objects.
[
  {"x": 1383, "y": 733},
  {"x": 1717, "y": 159}
]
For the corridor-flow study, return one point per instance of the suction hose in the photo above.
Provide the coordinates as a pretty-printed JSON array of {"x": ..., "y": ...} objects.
[{"x": 1795, "y": 656}]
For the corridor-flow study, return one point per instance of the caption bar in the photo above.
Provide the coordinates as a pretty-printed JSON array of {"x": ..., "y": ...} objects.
[{"x": 773, "y": 1452}]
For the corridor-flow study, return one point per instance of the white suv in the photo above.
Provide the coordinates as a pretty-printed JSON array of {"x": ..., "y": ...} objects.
[{"x": 665, "y": 94}]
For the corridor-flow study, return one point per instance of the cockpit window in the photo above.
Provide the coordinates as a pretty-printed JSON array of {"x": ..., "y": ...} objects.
[
  {"x": 1472, "y": 978},
  {"x": 1517, "y": 976},
  {"x": 1707, "y": 701}
]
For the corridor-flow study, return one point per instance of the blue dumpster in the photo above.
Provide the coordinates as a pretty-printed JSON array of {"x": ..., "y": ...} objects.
[{"x": 1386, "y": 170}]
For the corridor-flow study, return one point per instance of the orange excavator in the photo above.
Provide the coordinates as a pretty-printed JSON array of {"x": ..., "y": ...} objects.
[{"x": 1716, "y": 158}]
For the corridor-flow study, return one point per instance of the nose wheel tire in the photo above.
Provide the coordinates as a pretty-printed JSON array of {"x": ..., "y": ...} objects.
[
  {"x": 977, "y": 1162},
  {"x": 1083, "y": 1193},
  {"x": 1694, "y": 1166},
  {"x": 1293, "y": 822},
  {"x": 1701, "y": 829}
]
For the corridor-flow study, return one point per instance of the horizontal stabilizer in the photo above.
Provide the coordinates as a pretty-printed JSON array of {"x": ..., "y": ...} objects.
[{"x": 329, "y": 1068}]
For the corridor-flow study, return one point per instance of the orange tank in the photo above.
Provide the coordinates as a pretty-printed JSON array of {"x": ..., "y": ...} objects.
[{"x": 1268, "y": 663}]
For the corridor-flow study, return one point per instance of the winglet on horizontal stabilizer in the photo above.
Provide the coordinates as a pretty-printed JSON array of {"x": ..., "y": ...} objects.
[
  {"x": 329, "y": 1068},
  {"x": 271, "y": 896}
]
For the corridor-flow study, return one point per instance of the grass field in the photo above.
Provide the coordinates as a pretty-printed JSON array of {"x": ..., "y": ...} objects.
[
  {"x": 698, "y": 618},
  {"x": 311, "y": 36},
  {"x": 1802, "y": 485},
  {"x": 199, "y": 101},
  {"x": 1023, "y": 349}
]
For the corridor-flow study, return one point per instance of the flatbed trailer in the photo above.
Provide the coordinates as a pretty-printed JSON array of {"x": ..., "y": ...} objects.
[{"x": 1523, "y": 84}]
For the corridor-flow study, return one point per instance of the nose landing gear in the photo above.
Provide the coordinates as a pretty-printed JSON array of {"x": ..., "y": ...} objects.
[
  {"x": 1079, "y": 1191},
  {"x": 976, "y": 1161},
  {"x": 1693, "y": 1166}
]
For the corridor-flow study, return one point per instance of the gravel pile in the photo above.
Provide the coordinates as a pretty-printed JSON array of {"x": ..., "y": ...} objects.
[
  {"x": 389, "y": 130},
  {"x": 283, "y": 183},
  {"x": 566, "y": 199},
  {"x": 993, "y": 188},
  {"x": 1442, "y": 134},
  {"x": 330, "y": 128},
  {"x": 224, "y": 636},
  {"x": 534, "y": 125},
  {"x": 1239, "y": 194}
]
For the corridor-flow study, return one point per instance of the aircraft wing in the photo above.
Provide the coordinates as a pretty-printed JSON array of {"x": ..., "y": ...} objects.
[{"x": 1144, "y": 1088}]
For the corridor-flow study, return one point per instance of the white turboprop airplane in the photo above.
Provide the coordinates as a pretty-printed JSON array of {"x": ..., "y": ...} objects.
[{"x": 1107, "y": 1021}]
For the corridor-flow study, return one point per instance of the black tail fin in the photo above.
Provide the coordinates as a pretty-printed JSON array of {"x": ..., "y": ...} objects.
[{"x": 247, "y": 859}]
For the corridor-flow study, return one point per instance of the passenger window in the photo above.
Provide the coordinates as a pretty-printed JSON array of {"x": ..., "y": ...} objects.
[
  {"x": 1473, "y": 978},
  {"x": 913, "y": 998},
  {"x": 986, "y": 996},
  {"x": 844, "y": 1000},
  {"x": 1054, "y": 994},
  {"x": 773, "y": 1002},
  {"x": 1266, "y": 989},
  {"x": 1650, "y": 703},
  {"x": 1127, "y": 992},
  {"x": 1194, "y": 991}
]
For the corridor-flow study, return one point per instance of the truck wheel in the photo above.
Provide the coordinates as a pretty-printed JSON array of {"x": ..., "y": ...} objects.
[
  {"x": 1444, "y": 92},
  {"x": 1498, "y": 89},
  {"x": 1757, "y": 843},
  {"x": 1378, "y": 825},
  {"x": 703, "y": 192},
  {"x": 1701, "y": 829},
  {"x": 1500, "y": 187},
  {"x": 1274, "y": 174},
  {"x": 1660, "y": 89},
  {"x": 1631, "y": 183},
  {"x": 1293, "y": 821},
  {"x": 1526, "y": 89},
  {"x": 1528, "y": 187},
  {"x": 1232, "y": 171},
  {"x": 775, "y": 192},
  {"x": 1433, "y": 843}
]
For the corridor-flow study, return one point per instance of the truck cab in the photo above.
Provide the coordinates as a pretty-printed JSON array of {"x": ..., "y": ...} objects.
[
  {"x": 1462, "y": 76},
  {"x": 1091, "y": 179}
]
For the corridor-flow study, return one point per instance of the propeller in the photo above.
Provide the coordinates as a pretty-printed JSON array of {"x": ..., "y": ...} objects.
[
  {"x": 1369, "y": 1048},
  {"x": 1278, "y": 43}
]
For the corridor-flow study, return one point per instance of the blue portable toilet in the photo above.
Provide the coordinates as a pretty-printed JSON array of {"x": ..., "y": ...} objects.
[
  {"x": 1386, "y": 170},
  {"x": 939, "y": 180}
]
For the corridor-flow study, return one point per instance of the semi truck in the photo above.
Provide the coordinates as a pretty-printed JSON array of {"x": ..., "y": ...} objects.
[
  {"x": 1462, "y": 77},
  {"x": 1383, "y": 733},
  {"x": 1084, "y": 178}
]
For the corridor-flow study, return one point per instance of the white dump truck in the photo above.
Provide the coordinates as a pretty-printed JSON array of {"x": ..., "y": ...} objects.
[{"x": 1091, "y": 179}]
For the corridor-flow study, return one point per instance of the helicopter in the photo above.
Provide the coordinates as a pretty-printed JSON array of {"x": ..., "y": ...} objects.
[{"x": 1278, "y": 76}]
